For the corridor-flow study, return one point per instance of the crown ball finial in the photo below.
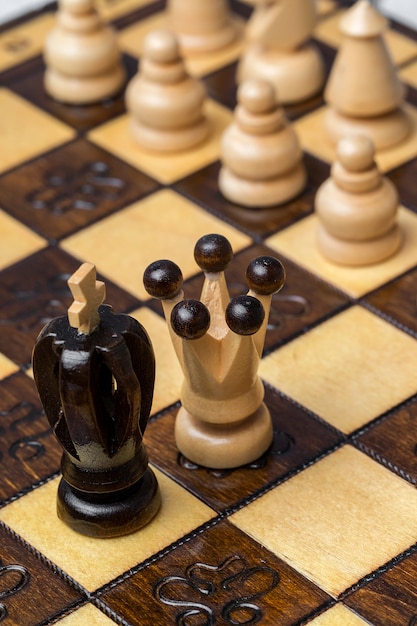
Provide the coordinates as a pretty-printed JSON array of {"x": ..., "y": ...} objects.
[
  {"x": 163, "y": 279},
  {"x": 245, "y": 315},
  {"x": 265, "y": 275},
  {"x": 213, "y": 253},
  {"x": 190, "y": 319}
]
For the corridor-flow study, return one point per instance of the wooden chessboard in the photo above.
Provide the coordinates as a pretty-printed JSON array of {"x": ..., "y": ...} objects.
[{"x": 322, "y": 529}]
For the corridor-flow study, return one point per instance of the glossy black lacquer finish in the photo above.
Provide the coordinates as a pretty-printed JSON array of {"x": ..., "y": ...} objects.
[{"x": 97, "y": 392}]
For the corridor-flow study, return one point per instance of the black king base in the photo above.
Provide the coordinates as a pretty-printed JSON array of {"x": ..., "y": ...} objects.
[{"x": 97, "y": 389}]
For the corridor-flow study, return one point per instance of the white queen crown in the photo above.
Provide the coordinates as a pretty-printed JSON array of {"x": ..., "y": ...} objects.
[{"x": 218, "y": 340}]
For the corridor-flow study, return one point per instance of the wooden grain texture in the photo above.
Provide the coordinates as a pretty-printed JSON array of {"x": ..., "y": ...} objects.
[
  {"x": 27, "y": 444},
  {"x": 298, "y": 439},
  {"x": 77, "y": 185},
  {"x": 390, "y": 599},
  {"x": 193, "y": 558},
  {"x": 31, "y": 593},
  {"x": 221, "y": 576},
  {"x": 393, "y": 441}
]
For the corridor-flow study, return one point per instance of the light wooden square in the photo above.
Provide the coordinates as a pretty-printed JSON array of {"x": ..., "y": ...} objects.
[
  {"x": 26, "y": 131},
  {"x": 312, "y": 135},
  {"x": 94, "y": 562},
  {"x": 24, "y": 42},
  {"x": 338, "y": 615},
  {"x": 164, "y": 225},
  {"x": 7, "y": 367},
  {"x": 400, "y": 47},
  {"x": 337, "y": 521},
  {"x": 131, "y": 41},
  {"x": 348, "y": 370},
  {"x": 298, "y": 242},
  {"x": 87, "y": 615},
  {"x": 169, "y": 376},
  {"x": 409, "y": 74},
  {"x": 17, "y": 241},
  {"x": 116, "y": 137}
]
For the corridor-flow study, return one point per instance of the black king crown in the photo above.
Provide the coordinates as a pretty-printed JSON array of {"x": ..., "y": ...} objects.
[
  {"x": 95, "y": 375},
  {"x": 223, "y": 421}
]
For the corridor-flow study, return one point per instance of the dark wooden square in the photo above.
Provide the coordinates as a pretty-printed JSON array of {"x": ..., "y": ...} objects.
[
  {"x": 398, "y": 300},
  {"x": 82, "y": 117},
  {"x": 78, "y": 184},
  {"x": 27, "y": 445},
  {"x": 389, "y": 599},
  {"x": 218, "y": 576},
  {"x": 404, "y": 179},
  {"x": 298, "y": 438},
  {"x": 202, "y": 187},
  {"x": 33, "y": 292},
  {"x": 393, "y": 441},
  {"x": 31, "y": 592}
]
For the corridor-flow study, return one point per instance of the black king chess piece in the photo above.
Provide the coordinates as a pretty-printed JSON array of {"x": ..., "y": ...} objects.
[{"x": 95, "y": 373}]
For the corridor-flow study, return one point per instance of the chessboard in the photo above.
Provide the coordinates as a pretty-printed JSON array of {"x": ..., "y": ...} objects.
[{"x": 322, "y": 530}]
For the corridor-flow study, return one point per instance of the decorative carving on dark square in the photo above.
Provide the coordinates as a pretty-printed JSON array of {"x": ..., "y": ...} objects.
[
  {"x": 224, "y": 579},
  {"x": 298, "y": 438},
  {"x": 78, "y": 185},
  {"x": 30, "y": 592},
  {"x": 27, "y": 446}
]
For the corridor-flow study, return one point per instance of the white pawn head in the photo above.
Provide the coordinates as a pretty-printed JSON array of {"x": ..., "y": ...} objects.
[
  {"x": 356, "y": 153},
  {"x": 161, "y": 46},
  {"x": 257, "y": 96}
]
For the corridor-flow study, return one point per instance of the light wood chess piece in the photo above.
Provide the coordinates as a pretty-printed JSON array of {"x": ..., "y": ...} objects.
[
  {"x": 261, "y": 157},
  {"x": 83, "y": 63},
  {"x": 165, "y": 103},
  {"x": 357, "y": 208},
  {"x": 202, "y": 26},
  {"x": 364, "y": 92},
  {"x": 279, "y": 49},
  {"x": 223, "y": 421}
]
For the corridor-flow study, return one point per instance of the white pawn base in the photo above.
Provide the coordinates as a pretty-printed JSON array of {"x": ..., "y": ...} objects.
[
  {"x": 165, "y": 140},
  {"x": 385, "y": 131},
  {"x": 224, "y": 446},
  {"x": 83, "y": 90},
  {"x": 264, "y": 193},
  {"x": 358, "y": 253}
]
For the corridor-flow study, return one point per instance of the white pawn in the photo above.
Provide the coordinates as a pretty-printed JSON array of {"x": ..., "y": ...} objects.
[
  {"x": 83, "y": 63},
  {"x": 280, "y": 49},
  {"x": 165, "y": 103},
  {"x": 261, "y": 157},
  {"x": 357, "y": 208}
]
